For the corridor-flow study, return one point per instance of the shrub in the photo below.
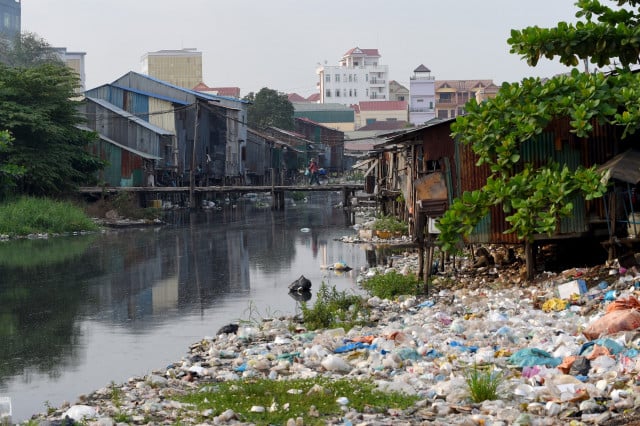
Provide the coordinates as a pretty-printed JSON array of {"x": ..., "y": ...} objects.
[
  {"x": 483, "y": 383},
  {"x": 392, "y": 284},
  {"x": 333, "y": 308},
  {"x": 391, "y": 224}
]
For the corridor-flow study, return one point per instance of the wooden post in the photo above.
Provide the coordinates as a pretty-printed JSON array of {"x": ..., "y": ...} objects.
[
  {"x": 192, "y": 201},
  {"x": 530, "y": 259}
]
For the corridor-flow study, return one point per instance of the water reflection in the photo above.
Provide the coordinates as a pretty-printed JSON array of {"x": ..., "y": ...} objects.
[{"x": 167, "y": 286}]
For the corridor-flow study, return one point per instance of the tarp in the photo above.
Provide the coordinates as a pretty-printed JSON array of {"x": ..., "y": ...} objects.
[{"x": 624, "y": 167}]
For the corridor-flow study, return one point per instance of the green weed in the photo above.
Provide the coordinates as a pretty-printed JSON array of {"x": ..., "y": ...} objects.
[
  {"x": 483, "y": 383},
  {"x": 334, "y": 308},
  {"x": 392, "y": 284}
]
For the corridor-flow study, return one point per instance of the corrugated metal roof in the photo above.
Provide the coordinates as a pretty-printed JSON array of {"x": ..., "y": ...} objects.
[
  {"x": 136, "y": 119},
  {"x": 182, "y": 89},
  {"x": 119, "y": 145}
]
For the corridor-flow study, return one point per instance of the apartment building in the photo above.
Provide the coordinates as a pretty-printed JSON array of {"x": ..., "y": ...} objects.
[
  {"x": 181, "y": 68},
  {"x": 422, "y": 89},
  {"x": 398, "y": 92},
  {"x": 10, "y": 16},
  {"x": 359, "y": 76}
]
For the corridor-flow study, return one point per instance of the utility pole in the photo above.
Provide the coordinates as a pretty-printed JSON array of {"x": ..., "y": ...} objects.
[{"x": 192, "y": 178}]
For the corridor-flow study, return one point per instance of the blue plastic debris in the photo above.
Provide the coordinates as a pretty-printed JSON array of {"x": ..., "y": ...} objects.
[{"x": 529, "y": 357}]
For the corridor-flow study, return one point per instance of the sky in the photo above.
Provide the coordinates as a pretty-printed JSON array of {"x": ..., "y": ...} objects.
[{"x": 279, "y": 44}]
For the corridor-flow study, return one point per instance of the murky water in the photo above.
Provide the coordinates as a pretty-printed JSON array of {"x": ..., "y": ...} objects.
[{"x": 77, "y": 313}]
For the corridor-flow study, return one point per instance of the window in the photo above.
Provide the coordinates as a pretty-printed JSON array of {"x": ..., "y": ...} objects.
[
  {"x": 355, "y": 93},
  {"x": 445, "y": 98},
  {"x": 355, "y": 78},
  {"x": 344, "y": 78},
  {"x": 443, "y": 113},
  {"x": 431, "y": 105},
  {"x": 337, "y": 93},
  {"x": 327, "y": 78},
  {"x": 460, "y": 111},
  {"x": 337, "y": 79},
  {"x": 350, "y": 78},
  {"x": 350, "y": 93},
  {"x": 328, "y": 93},
  {"x": 401, "y": 98},
  {"x": 366, "y": 77},
  {"x": 419, "y": 100}
]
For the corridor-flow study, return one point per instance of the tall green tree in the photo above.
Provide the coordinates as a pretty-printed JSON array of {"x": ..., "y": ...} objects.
[
  {"x": 37, "y": 107},
  {"x": 27, "y": 50},
  {"x": 536, "y": 198},
  {"x": 9, "y": 173},
  {"x": 269, "y": 108}
]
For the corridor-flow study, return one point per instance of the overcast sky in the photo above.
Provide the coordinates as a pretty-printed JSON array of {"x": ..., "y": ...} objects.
[{"x": 279, "y": 43}]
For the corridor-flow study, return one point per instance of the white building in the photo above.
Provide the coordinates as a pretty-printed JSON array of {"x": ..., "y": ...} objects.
[
  {"x": 422, "y": 93},
  {"x": 357, "y": 77}
]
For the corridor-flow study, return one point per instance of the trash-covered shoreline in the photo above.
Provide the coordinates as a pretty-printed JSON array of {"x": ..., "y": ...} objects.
[{"x": 553, "y": 374}]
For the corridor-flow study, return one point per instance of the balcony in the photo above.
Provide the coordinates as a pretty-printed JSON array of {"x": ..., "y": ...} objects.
[
  {"x": 377, "y": 82},
  {"x": 422, "y": 109},
  {"x": 421, "y": 78},
  {"x": 377, "y": 97}
]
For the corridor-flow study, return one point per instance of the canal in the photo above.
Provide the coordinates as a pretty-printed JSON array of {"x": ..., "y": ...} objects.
[{"x": 80, "y": 312}]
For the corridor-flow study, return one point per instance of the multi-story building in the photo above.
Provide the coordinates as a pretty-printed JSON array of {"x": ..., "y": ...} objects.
[
  {"x": 358, "y": 77},
  {"x": 181, "y": 68},
  {"x": 452, "y": 95},
  {"x": 422, "y": 89},
  {"x": 75, "y": 61},
  {"x": 10, "y": 14}
]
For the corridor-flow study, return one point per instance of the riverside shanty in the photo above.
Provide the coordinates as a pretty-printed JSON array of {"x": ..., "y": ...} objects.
[{"x": 552, "y": 374}]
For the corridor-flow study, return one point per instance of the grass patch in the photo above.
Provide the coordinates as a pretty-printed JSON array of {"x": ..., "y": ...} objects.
[
  {"x": 334, "y": 308},
  {"x": 312, "y": 399},
  {"x": 29, "y": 215},
  {"x": 483, "y": 383},
  {"x": 392, "y": 284}
]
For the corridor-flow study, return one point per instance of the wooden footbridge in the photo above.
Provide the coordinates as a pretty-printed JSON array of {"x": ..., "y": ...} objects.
[{"x": 193, "y": 196}]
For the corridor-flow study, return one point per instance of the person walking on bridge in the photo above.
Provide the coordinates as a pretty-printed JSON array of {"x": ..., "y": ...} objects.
[{"x": 313, "y": 172}]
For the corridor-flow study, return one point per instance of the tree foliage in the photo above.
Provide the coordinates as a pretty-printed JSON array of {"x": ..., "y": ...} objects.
[
  {"x": 604, "y": 36},
  {"x": 536, "y": 198},
  {"x": 8, "y": 172},
  {"x": 269, "y": 108},
  {"x": 27, "y": 50},
  {"x": 36, "y": 106}
]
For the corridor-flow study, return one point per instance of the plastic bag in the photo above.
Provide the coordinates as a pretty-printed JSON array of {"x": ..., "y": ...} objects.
[
  {"x": 613, "y": 322},
  {"x": 307, "y": 172}
]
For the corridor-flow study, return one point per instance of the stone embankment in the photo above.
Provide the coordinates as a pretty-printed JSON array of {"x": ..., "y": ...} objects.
[{"x": 552, "y": 373}]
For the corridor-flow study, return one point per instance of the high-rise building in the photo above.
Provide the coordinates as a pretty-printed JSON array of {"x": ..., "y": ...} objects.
[
  {"x": 10, "y": 13},
  {"x": 182, "y": 68},
  {"x": 358, "y": 77},
  {"x": 422, "y": 91}
]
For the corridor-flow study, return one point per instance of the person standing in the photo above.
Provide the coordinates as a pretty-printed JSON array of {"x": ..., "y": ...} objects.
[{"x": 313, "y": 172}]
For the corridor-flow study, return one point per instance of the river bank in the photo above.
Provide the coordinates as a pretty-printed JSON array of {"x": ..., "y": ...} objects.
[{"x": 422, "y": 346}]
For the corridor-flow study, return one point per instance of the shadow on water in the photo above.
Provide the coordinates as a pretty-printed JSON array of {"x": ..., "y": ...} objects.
[{"x": 164, "y": 286}]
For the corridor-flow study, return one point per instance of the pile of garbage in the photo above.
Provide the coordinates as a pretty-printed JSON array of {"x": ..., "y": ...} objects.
[{"x": 566, "y": 348}]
